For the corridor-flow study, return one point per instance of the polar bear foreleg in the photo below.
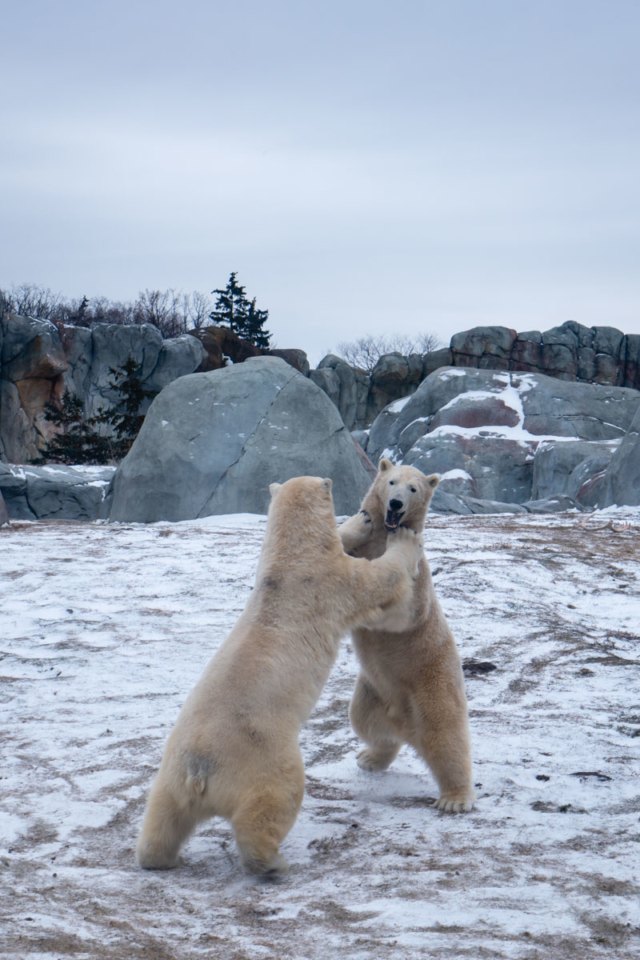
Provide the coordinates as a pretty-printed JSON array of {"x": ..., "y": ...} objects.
[{"x": 355, "y": 531}]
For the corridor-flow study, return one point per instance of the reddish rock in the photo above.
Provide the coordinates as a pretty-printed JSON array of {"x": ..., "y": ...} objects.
[
  {"x": 481, "y": 341},
  {"x": 295, "y": 358},
  {"x": 31, "y": 348},
  {"x": 526, "y": 353},
  {"x": 221, "y": 345},
  {"x": 472, "y": 413}
]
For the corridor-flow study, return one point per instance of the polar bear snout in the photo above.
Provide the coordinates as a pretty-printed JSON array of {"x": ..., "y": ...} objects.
[{"x": 394, "y": 515}]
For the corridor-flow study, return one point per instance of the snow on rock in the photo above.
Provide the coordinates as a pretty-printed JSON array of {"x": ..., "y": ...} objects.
[
  {"x": 104, "y": 629},
  {"x": 492, "y": 425}
]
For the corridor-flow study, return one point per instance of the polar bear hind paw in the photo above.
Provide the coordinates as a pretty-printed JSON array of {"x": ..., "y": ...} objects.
[{"x": 373, "y": 761}]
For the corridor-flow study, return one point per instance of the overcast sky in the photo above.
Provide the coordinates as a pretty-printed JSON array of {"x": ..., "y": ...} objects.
[{"x": 366, "y": 167}]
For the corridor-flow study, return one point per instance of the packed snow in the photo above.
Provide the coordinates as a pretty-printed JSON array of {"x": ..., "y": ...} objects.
[{"x": 104, "y": 629}]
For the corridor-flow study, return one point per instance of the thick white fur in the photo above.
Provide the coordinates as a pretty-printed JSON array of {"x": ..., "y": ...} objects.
[
  {"x": 410, "y": 688},
  {"x": 234, "y": 750}
]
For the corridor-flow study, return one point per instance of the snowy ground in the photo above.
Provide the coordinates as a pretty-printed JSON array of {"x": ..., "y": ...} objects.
[{"x": 104, "y": 630}]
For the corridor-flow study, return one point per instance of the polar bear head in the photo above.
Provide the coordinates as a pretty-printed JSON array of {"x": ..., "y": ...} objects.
[
  {"x": 403, "y": 494},
  {"x": 301, "y": 512}
]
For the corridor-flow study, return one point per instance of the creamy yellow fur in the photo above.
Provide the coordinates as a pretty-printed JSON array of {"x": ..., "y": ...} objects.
[
  {"x": 234, "y": 750},
  {"x": 410, "y": 688}
]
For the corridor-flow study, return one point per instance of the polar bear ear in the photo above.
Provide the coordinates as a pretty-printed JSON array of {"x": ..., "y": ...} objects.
[
  {"x": 273, "y": 488},
  {"x": 327, "y": 483},
  {"x": 432, "y": 481},
  {"x": 384, "y": 465}
]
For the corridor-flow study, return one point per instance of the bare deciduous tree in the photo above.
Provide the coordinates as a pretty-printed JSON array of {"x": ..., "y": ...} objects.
[
  {"x": 172, "y": 311},
  {"x": 365, "y": 352},
  {"x": 200, "y": 307},
  {"x": 30, "y": 300}
]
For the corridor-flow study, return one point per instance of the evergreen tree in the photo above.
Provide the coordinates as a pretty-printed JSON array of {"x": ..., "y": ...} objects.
[
  {"x": 255, "y": 332},
  {"x": 234, "y": 310},
  {"x": 77, "y": 441},
  {"x": 81, "y": 319},
  {"x": 106, "y": 437},
  {"x": 231, "y": 307},
  {"x": 125, "y": 418}
]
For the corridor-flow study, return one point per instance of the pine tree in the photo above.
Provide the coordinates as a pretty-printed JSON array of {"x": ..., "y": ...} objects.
[
  {"x": 77, "y": 441},
  {"x": 81, "y": 319},
  {"x": 125, "y": 418},
  {"x": 108, "y": 436},
  {"x": 234, "y": 310},
  {"x": 231, "y": 307},
  {"x": 255, "y": 332}
]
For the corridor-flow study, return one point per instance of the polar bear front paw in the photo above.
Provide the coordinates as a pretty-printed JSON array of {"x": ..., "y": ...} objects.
[{"x": 457, "y": 801}]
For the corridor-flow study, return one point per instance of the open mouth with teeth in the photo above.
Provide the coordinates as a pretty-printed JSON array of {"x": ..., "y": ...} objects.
[{"x": 393, "y": 518}]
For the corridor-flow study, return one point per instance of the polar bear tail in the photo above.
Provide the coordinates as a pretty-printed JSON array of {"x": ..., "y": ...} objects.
[{"x": 199, "y": 769}]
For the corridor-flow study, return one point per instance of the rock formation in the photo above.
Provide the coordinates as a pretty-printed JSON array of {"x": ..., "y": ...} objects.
[
  {"x": 39, "y": 363},
  {"x": 507, "y": 437},
  {"x": 513, "y": 421},
  {"x": 213, "y": 442},
  {"x": 570, "y": 352},
  {"x": 55, "y": 492}
]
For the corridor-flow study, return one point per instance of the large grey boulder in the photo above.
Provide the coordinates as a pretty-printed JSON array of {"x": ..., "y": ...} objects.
[
  {"x": 555, "y": 504},
  {"x": 416, "y": 411},
  {"x": 555, "y": 464},
  {"x": 506, "y": 436},
  {"x": 346, "y": 387},
  {"x": 485, "y": 468},
  {"x": 443, "y": 502},
  {"x": 213, "y": 442},
  {"x": 587, "y": 481},
  {"x": 112, "y": 344},
  {"x": 542, "y": 407},
  {"x": 621, "y": 484},
  {"x": 393, "y": 377},
  {"x": 54, "y": 492},
  {"x": 485, "y": 347},
  {"x": 586, "y": 411},
  {"x": 178, "y": 357}
]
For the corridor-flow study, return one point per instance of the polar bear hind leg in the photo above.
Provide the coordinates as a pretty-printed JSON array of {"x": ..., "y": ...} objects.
[
  {"x": 368, "y": 719},
  {"x": 166, "y": 827},
  {"x": 265, "y": 817},
  {"x": 444, "y": 744}
]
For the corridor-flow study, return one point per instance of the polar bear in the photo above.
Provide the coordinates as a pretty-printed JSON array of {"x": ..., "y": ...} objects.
[
  {"x": 410, "y": 688},
  {"x": 234, "y": 750}
]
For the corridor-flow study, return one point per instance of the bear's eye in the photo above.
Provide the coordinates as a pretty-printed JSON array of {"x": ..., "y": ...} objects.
[
  {"x": 413, "y": 489},
  {"x": 391, "y": 482}
]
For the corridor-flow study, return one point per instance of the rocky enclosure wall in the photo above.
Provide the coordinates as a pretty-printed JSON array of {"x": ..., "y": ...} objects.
[
  {"x": 39, "y": 362},
  {"x": 601, "y": 355}
]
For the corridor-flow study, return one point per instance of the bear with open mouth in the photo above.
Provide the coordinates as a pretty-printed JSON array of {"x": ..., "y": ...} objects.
[{"x": 410, "y": 688}]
